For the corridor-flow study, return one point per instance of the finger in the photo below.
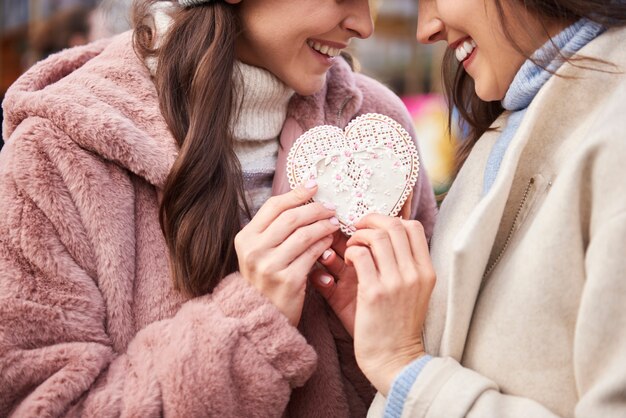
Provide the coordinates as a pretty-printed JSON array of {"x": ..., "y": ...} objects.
[
  {"x": 405, "y": 212},
  {"x": 292, "y": 219},
  {"x": 421, "y": 255},
  {"x": 419, "y": 243},
  {"x": 396, "y": 229},
  {"x": 323, "y": 282},
  {"x": 339, "y": 243},
  {"x": 334, "y": 264},
  {"x": 419, "y": 247},
  {"x": 276, "y": 205},
  {"x": 361, "y": 258},
  {"x": 301, "y": 265},
  {"x": 379, "y": 242},
  {"x": 340, "y": 295},
  {"x": 300, "y": 242}
]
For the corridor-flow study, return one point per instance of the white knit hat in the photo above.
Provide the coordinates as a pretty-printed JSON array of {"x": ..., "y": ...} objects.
[{"x": 191, "y": 3}]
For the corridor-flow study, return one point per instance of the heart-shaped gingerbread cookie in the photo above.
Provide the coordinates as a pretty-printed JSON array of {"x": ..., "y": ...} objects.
[{"x": 370, "y": 167}]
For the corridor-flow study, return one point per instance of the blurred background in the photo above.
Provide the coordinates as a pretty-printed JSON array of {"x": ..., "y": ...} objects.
[{"x": 30, "y": 30}]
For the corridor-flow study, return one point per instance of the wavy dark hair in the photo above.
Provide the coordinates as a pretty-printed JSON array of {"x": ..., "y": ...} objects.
[
  {"x": 477, "y": 116},
  {"x": 203, "y": 194}
]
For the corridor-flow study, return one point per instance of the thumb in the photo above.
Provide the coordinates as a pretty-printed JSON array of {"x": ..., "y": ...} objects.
[{"x": 323, "y": 282}]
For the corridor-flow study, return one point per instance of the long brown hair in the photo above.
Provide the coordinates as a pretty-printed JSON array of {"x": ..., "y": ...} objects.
[
  {"x": 203, "y": 194},
  {"x": 477, "y": 116}
]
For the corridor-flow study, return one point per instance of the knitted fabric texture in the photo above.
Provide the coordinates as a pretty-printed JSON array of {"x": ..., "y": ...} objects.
[
  {"x": 401, "y": 387},
  {"x": 262, "y": 100},
  {"x": 259, "y": 112},
  {"x": 529, "y": 80}
]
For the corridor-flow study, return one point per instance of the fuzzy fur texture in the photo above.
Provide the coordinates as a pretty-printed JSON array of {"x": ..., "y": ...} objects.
[{"x": 90, "y": 324}]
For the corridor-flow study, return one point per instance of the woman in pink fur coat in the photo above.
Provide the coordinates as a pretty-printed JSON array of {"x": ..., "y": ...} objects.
[{"x": 127, "y": 283}]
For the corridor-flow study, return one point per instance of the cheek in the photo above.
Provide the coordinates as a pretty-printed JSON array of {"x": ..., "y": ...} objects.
[{"x": 449, "y": 11}]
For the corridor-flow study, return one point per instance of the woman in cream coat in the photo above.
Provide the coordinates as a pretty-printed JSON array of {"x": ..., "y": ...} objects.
[{"x": 528, "y": 314}]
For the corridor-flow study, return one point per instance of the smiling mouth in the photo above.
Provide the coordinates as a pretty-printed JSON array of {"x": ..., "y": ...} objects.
[
  {"x": 324, "y": 49},
  {"x": 465, "y": 49}
]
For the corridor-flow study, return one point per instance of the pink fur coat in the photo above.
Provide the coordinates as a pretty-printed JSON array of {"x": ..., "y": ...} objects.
[{"x": 90, "y": 324}]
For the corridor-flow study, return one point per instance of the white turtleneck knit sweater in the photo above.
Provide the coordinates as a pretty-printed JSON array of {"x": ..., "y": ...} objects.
[{"x": 263, "y": 101}]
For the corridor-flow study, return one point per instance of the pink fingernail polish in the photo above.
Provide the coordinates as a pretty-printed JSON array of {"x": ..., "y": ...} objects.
[
  {"x": 310, "y": 184},
  {"x": 326, "y": 254},
  {"x": 334, "y": 221},
  {"x": 326, "y": 280}
]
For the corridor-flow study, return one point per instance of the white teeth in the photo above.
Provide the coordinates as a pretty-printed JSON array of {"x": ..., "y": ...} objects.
[
  {"x": 468, "y": 47},
  {"x": 464, "y": 50},
  {"x": 324, "y": 49},
  {"x": 461, "y": 54}
]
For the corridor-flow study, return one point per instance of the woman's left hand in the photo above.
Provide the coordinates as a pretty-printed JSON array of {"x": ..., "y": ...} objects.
[{"x": 395, "y": 281}]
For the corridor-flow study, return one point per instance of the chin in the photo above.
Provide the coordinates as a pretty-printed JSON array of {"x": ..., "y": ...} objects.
[
  {"x": 309, "y": 87},
  {"x": 489, "y": 96},
  {"x": 489, "y": 93}
]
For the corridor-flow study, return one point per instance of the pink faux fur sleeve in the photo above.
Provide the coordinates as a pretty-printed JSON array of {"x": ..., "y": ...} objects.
[{"x": 65, "y": 351}]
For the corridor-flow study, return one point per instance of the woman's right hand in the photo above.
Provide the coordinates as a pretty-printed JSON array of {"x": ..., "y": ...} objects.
[
  {"x": 280, "y": 245},
  {"x": 395, "y": 280}
]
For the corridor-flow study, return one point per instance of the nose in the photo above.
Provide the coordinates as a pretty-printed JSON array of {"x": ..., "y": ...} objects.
[
  {"x": 358, "y": 18},
  {"x": 430, "y": 27}
]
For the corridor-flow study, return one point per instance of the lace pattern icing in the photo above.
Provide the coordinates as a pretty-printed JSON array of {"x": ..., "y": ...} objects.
[{"x": 370, "y": 167}]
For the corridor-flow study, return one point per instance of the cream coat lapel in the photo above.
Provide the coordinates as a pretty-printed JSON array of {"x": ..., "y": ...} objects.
[{"x": 471, "y": 239}]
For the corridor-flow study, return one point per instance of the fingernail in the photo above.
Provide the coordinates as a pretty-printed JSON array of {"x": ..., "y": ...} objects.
[
  {"x": 325, "y": 280},
  {"x": 329, "y": 206},
  {"x": 334, "y": 221},
  {"x": 326, "y": 254},
  {"x": 310, "y": 184}
]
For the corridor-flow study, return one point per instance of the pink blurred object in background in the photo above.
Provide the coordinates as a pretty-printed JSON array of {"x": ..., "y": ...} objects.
[{"x": 430, "y": 119}]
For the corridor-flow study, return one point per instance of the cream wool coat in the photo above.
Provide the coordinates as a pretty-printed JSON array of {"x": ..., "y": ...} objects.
[{"x": 528, "y": 317}]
